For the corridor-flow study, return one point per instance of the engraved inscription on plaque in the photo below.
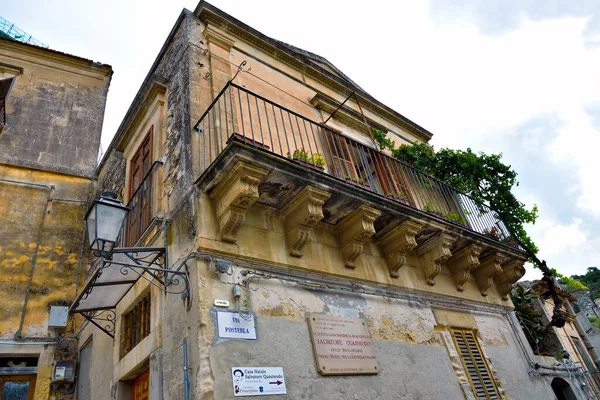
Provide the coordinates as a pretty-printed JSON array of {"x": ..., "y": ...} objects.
[{"x": 342, "y": 346}]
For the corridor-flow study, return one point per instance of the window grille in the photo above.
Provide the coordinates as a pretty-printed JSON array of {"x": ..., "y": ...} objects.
[
  {"x": 481, "y": 380},
  {"x": 136, "y": 325}
]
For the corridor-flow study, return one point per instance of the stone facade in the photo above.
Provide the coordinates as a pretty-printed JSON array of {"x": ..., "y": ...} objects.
[
  {"x": 280, "y": 238},
  {"x": 48, "y": 151}
]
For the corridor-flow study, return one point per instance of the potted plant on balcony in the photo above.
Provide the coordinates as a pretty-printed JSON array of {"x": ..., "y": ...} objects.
[
  {"x": 315, "y": 161},
  {"x": 432, "y": 209},
  {"x": 456, "y": 217},
  {"x": 493, "y": 232},
  {"x": 511, "y": 241},
  {"x": 400, "y": 196},
  {"x": 355, "y": 180}
]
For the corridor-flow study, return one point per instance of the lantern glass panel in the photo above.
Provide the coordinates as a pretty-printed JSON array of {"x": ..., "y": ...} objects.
[{"x": 110, "y": 220}]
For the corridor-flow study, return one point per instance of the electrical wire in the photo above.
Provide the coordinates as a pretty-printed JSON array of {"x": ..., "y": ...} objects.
[{"x": 247, "y": 71}]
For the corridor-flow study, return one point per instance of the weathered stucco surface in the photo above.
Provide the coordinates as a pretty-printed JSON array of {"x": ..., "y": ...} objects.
[
  {"x": 283, "y": 343},
  {"x": 54, "y": 112},
  {"x": 56, "y": 257}
]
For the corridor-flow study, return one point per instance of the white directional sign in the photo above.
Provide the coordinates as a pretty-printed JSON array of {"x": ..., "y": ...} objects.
[
  {"x": 232, "y": 325},
  {"x": 257, "y": 381}
]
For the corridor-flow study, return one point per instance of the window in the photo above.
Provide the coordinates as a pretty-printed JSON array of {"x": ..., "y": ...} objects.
[
  {"x": 5, "y": 86},
  {"x": 475, "y": 365},
  {"x": 140, "y": 191},
  {"x": 136, "y": 325}
]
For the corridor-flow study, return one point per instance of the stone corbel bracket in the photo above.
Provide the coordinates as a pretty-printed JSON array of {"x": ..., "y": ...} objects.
[
  {"x": 462, "y": 263},
  {"x": 512, "y": 271},
  {"x": 353, "y": 230},
  {"x": 300, "y": 215},
  {"x": 397, "y": 243},
  {"x": 234, "y": 195},
  {"x": 434, "y": 254},
  {"x": 484, "y": 275}
]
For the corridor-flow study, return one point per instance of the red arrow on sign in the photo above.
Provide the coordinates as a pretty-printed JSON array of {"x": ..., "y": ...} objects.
[{"x": 275, "y": 383}]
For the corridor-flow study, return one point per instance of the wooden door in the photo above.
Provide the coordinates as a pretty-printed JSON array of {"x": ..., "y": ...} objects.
[
  {"x": 17, "y": 387},
  {"x": 141, "y": 386}
]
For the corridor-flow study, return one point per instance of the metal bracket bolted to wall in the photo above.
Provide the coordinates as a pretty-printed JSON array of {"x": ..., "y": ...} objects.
[{"x": 124, "y": 268}]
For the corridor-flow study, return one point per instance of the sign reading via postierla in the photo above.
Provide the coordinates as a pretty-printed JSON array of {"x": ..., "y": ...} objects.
[
  {"x": 232, "y": 325},
  {"x": 257, "y": 381},
  {"x": 342, "y": 346}
]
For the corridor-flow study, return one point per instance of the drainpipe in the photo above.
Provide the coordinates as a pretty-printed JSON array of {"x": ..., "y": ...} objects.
[
  {"x": 19, "y": 333},
  {"x": 186, "y": 380},
  {"x": 584, "y": 336}
]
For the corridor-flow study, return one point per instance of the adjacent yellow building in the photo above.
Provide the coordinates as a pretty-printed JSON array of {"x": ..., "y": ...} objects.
[{"x": 52, "y": 111}]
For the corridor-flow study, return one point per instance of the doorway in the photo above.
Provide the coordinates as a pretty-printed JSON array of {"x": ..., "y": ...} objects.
[
  {"x": 562, "y": 389},
  {"x": 141, "y": 386}
]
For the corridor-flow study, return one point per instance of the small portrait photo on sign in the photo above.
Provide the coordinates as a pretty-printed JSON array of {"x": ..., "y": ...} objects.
[{"x": 238, "y": 375}]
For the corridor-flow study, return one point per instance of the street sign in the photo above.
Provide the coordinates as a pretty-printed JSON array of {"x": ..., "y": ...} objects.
[
  {"x": 257, "y": 381},
  {"x": 232, "y": 325}
]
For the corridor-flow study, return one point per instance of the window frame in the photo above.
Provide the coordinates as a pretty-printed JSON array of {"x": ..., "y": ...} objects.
[
  {"x": 136, "y": 324},
  {"x": 140, "y": 215}
]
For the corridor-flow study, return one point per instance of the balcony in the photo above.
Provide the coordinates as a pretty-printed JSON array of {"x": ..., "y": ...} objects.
[{"x": 297, "y": 153}]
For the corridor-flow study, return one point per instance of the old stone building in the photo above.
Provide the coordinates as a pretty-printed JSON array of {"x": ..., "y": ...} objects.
[
  {"x": 51, "y": 113},
  {"x": 299, "y": 258}
]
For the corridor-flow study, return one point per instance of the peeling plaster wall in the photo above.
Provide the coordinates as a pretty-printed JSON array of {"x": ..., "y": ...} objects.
[
  {"x": 57, "y": 257},
  {"x": 416, "y": 356}
]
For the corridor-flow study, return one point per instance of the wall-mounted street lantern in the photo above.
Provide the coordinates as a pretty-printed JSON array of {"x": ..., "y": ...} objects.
[
  {"x": 121, "y": 267},
  {"x": 104, "y": 222}
]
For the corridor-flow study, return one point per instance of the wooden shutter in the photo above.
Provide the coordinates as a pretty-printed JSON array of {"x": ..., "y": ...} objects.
[
  {"x": 482, "y": 383},
  {"x": 139, "y": 215}
]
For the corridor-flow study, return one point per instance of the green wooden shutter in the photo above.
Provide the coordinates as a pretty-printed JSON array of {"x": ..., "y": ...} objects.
[{"x": 475, "y": 365}]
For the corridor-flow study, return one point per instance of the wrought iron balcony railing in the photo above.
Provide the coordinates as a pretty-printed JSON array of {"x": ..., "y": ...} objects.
[
  {"x": 237, "y": 114},
  {"x": 142, "y": 207}
]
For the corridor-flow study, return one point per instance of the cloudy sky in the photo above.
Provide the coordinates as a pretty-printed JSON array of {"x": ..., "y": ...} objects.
[{"x": 500, "y": 76}]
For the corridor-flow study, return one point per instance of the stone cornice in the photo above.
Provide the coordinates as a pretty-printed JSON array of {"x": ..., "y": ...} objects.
[
  {"x": 11, "y": 69},
  {"x": 213, "y": 36},
  {"x": 54, "y": 59}
]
